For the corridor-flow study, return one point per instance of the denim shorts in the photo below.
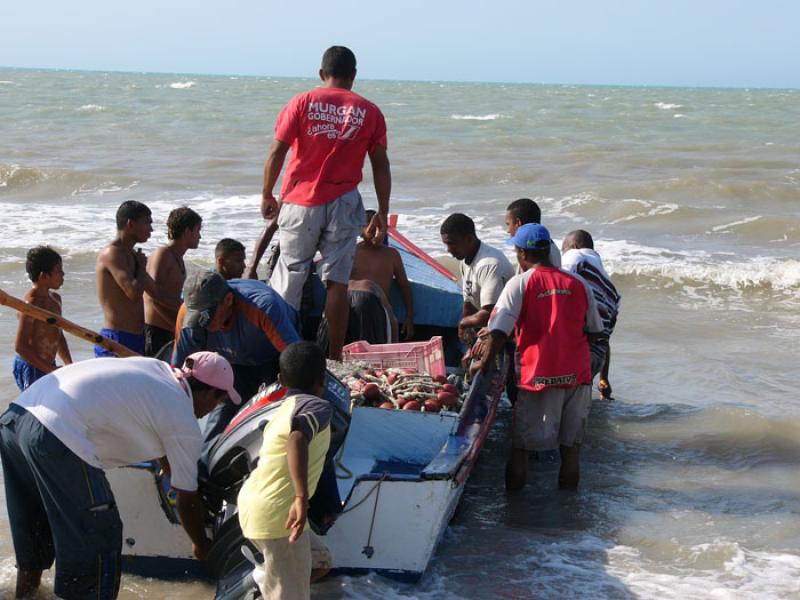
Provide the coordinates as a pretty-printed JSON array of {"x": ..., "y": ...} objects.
[{"x": 59, "y": 507}]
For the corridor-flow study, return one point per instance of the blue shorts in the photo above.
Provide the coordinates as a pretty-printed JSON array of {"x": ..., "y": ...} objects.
[
  {"x": 59, "y": 507},
  {"x": 130, "y": 340},
  {"x": 25, "y": 373}
]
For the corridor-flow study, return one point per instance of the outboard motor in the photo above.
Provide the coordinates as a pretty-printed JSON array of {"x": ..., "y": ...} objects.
[{"x": 230, "y": 461}]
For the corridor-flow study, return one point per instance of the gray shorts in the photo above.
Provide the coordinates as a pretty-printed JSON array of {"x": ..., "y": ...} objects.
[
  {"x": 551, "y": 418},
  {"x": 331, "y": 228}
]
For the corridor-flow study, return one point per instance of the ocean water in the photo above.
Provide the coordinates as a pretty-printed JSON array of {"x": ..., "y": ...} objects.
[{"x": 691, "y": 477}]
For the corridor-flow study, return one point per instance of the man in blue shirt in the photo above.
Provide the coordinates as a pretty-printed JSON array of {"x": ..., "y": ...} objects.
[{"x": 246, "y": 322}]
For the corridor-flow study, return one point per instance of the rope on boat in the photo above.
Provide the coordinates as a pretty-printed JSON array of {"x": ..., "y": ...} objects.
[
  {"x": 369, "y": 493},
  {"x": 368, "y": 550},
  {"x": 338, "y": 462}
]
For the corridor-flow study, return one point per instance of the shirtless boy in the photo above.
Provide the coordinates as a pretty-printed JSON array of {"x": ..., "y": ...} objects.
[
  {"x": 382, "y": 264},
  {"x": 121, "y": 276},
  {"x": 37, "y": 342},
  {"x": 167, "y": 269}
]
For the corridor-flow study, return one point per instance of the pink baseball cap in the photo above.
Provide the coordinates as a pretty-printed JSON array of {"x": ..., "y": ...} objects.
[{"x": 212, "y": 369}]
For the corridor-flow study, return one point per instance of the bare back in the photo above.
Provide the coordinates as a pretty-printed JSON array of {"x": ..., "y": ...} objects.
[
  {"x": 36, "y": 336},
  {"x": 376, "y": 263},
  {"x": 119, "y": 293},
  {"x": 169, "y": 273}
]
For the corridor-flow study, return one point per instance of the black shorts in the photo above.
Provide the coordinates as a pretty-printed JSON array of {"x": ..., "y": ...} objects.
[{"x": 155, "y": 338}]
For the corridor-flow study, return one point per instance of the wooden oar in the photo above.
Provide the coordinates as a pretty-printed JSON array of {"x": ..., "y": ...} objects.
[{"x": 53, "y": 319}]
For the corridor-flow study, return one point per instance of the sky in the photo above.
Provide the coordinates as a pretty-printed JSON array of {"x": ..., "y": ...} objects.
[{"x": 728, "y": 43}]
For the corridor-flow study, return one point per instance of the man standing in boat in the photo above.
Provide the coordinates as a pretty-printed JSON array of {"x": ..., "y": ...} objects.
[
  {"x": 168, "y": 270},
  {"x": 242, "y": 319},
  {"x": 58, "y": 437},
  {"x": 553, "y": 313},
  {"x": 122, "y": 279},
  {"x": 330, "y": 130}
]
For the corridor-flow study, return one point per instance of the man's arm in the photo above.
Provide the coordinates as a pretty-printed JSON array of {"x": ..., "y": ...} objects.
[
  {"x": 193, "y": 514},
  {"x": 272, "y": 169},
  {"x": 497, "y": 341},
  {"x": 270, "y": 227},
  {"x": 297, "y": 456},
  {"x": 186, "y": 344},
  {"x": 382, "y": 178},
  {"x": 168, "y": 281},
  {"x": 405, "y": 290},
  {"x": 133, "y": 284},
  {"x": 478, "y": 318},
  {"x": 63, "y": 350}
]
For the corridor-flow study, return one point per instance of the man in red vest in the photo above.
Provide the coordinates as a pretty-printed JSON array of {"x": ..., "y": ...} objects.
[{"x": 551, "y": 312}]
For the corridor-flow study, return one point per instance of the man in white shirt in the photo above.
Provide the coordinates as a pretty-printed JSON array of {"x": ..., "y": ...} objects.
[
  {"x": 60, "y": 434},
  {"x": 484, "y": 273},
  {"x": 580, "y": 257}
]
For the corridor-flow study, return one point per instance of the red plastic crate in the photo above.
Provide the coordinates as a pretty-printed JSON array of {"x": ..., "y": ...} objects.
[{"x": 425, "y": 357}]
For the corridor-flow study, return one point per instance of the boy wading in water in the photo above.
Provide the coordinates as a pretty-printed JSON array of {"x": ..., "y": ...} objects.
[
  {"x": 273, "y": 502},
  {"x": 37, "y": 342}
]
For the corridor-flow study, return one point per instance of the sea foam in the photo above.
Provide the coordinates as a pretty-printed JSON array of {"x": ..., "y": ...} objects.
[
  {"x": 182, "y": 85},
  {"x": 92, "y": 108},
  {"x": 490, "y": 117}
]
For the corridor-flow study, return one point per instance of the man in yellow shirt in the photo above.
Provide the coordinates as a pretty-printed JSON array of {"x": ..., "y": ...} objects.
[{"x": 273, "y": 502}]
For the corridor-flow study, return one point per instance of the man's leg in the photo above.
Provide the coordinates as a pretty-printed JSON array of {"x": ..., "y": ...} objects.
[
  {"x": 574, "y": 416},
  {"x": 517, "y": 469},
  {"x": 82, "y": 514},
  {"x": 337, "y": 313},
  {"x": 603, "y": 385},
  {"x": 299, "y": 231},
  {"x": 344, "y": 219},
  {"x": 30, "y": 531},
  {"x": 569, "y": 473}
]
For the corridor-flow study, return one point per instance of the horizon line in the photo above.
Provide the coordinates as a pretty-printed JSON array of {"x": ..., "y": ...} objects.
[{"x": 369, "y": 79}]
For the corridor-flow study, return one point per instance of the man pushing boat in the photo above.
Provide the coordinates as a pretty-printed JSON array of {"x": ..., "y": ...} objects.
[
  {"x": 552, "y": 313},
  {"x": 59, "y": 435}
]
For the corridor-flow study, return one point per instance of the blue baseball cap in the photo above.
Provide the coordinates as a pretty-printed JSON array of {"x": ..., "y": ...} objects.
[{"x": 531, "y": 236}]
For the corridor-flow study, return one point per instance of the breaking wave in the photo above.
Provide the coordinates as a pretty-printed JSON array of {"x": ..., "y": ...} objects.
[
  {"x": 50, "y": 181},
  {"x": 490, "y": 117},
  {"x": 698, "y": 267},
  {"x": 182, "y": 85},
  {"x": 667, "y": 106},
  {"x": 92, "y": 108}
]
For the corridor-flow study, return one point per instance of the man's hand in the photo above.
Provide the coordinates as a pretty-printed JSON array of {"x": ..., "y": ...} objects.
[
  {"x": 377, "y": 225},
  {"x": 201, "y": 550},
  {"x": 483, "y": 366},
  {"x": 297, "y": 517},
  {"x": 141, "y": 260},
  {"x": 269, "y": 206},
  {"x": 408, "y": 328}
]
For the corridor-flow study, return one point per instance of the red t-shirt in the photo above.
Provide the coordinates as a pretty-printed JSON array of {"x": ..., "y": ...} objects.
[{"x": 330, "y": 131}]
